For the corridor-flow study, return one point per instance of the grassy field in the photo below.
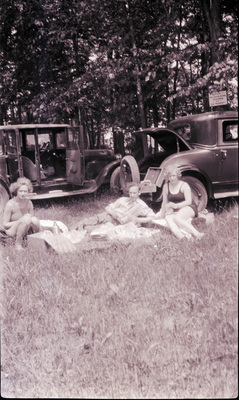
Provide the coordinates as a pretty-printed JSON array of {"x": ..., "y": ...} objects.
[{"x": 143, "y": 319}]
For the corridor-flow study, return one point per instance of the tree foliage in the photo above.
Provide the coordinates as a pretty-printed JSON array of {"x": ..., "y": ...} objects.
[{"x": 114, "y": 63}]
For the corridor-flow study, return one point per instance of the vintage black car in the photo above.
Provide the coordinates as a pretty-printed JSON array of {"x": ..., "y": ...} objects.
[
  {"x": 56, "y": 158},
  {"x": 203, "y": 146}
]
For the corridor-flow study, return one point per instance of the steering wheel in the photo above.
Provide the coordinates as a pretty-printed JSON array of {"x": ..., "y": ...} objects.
[{"x": 45, "y": 147}]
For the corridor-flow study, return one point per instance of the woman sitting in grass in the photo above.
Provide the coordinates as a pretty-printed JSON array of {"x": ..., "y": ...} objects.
[
  {"x": 178, "y": 208},
  {"x": 18, "y": 215}
]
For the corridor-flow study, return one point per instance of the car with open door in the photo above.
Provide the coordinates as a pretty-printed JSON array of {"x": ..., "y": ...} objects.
[
  {"x": 55, "y": 157},
  {"x": 204, "y": 147}
]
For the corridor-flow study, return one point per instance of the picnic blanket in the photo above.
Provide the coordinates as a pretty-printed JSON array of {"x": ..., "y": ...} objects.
[
  {"x": 103, "y": 236},
  {"x": 130, "y": 230},
  {"x": 63, "y": 242}
]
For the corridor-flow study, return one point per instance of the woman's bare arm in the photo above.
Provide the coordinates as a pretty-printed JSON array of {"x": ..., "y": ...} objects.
[{"x": 7, "y": 223}]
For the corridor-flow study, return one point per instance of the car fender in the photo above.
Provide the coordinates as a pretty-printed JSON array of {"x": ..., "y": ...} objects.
[
  {"x": 107, "y": 170},
  {"x": 4, "y": 193},
  {"x": 5, "y": 183}
]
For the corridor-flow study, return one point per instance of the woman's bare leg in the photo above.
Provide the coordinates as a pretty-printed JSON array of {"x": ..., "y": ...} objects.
[
  {"x": 22, "y": 230},
  {"x": 19, "y": 230},
  {"x": 35, "y": 224},
  {"x": 13, "y": 230},
  {"x": 173, "y": 226},
  {"x": 183, "y": 220}
]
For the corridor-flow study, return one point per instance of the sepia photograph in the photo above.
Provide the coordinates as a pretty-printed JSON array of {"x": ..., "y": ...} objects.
[{"x": 119, "y": 199}]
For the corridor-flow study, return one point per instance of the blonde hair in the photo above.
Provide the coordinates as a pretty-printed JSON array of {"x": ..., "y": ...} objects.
[
  {"x": 14, "y": 187},
  {"x": 170, "y": 169}
]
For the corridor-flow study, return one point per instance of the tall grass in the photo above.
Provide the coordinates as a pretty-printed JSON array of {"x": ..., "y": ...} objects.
[{"x": 141, "y": 319}]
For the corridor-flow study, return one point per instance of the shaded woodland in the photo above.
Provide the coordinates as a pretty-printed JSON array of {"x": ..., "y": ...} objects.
[{"x": 115, "y": 64}]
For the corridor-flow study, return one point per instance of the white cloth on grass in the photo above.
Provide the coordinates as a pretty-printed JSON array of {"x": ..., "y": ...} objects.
[
  {"x": 47, "y": 224},
  {"x": 126, "y": 231}
]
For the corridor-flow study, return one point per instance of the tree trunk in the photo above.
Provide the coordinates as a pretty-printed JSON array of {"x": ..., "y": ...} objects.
[
  {"x": 1, "y": 114},
  {"x": 155, "y": 110},
  {"x": 137, "y": 70},
  {"x": 12, "y": 114},
  {"x": 212, "y": 11},
  {"x": 19, "y": 111},
  {"x": 168, "y": 104},
  {"x": 75, "y": 47}
]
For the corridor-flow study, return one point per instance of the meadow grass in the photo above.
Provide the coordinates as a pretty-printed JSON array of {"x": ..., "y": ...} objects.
[{"x": 143, "y": 319}]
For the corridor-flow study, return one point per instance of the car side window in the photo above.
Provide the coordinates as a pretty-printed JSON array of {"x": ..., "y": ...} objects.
[
  {"x": 11, "y": 140},
  {"x": 30, "y": 142},
  {"x": 230, "y": 131},
  {"x": 184, "y": 131},
  {"x": 61, "y": 140}
]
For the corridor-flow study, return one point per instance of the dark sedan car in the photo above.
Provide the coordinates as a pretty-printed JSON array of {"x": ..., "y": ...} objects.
[
  {"x": 55, "y": 157},
  {"x": 203, "y": 146}
]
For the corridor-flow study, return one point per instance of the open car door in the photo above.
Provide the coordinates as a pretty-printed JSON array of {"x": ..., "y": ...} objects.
[
  {"x": 14, "y": 160},
  {"x": 74, "y": 156}
]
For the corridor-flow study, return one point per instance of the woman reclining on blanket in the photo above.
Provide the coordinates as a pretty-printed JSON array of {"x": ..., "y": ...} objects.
[
  {"x": 18, "y": 213},
  {"x": 178, "y": 207},
  {"x": 122, "y": 211}
]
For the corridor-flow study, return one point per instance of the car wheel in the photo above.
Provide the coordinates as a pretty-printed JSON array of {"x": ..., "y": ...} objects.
[
  {"x": 129, "y": 172},
  {"x": 199, "y": 191},
  {"x": 115, "y": 180},
  {"x": 4, "y": 197}
]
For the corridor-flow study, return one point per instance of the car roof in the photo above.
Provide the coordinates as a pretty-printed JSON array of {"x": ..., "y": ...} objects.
[
  {"x": 204, "y": 116},
  {"x": 203, "y": 127},
  {"x": 191, "y": 117},
  {"x": 32, "y": 126},
  {"x": 152, "y": 130}
]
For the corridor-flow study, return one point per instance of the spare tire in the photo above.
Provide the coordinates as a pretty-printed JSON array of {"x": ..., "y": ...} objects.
[
  {"x": 199, "y": 192},
  {"x": 129, "y": 172}
]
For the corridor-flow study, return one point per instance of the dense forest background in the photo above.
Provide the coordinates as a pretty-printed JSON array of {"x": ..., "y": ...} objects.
[{"x": 115, "y": 64}]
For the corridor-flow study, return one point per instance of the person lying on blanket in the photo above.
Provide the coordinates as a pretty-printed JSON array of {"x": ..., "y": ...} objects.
[{"x": 122, "y": 211}]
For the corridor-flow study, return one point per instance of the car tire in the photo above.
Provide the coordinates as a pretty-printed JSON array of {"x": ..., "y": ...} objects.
[
  {"x": 129, "y": 172},
  {"x": 4, "y": 197},
  {"x": 115, "y": 181},
  {"x": 199, "y": 191}
]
